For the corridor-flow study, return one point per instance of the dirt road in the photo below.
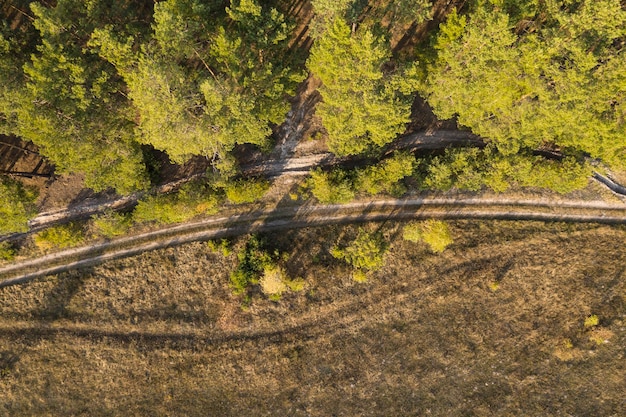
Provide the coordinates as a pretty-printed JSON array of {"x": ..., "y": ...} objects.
[
  {"x": 304, "y": 215},
  {"x": 294, "y": 166}
]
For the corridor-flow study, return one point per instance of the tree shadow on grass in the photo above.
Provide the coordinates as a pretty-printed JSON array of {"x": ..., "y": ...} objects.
[
  {"x": 54, "y": 305},
  {"x": 8, "y": 359}
]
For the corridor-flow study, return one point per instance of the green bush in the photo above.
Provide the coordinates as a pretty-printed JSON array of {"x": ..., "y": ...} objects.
[
  {"x": 222, "y": 246},
  {"x": 258, "y": 265},
  {"x": 434, "y": 233},
  {"x": 471, "y": 169},
  {"x": 334, "y": 187},
  {"x": 111, "y": 224},
  {"x": 63, "y": 236},
  {"x": 367, "y": 251},
  {"x": 338, "y": 186},
  {"x": 16, "y": 206},
  {"x": 7, "y": 252},
  {"x": 200, "y": 196},
  {"x": 162, "y": 209},
  {"x": 561, "y": 176},
  {"x": 296, "y": 284},
  {"x": 191, "y": 200},
  {"x": 246, "y": 191},
  {"x": 461, "y": 168},
  {"x": 386, "y": 175},
  {"x": 253, "y": 260}
]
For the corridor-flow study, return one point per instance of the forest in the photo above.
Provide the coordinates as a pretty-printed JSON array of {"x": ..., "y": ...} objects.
[
  {"x": 443, "y": 248},
  {"x": 99, "y": 86}
]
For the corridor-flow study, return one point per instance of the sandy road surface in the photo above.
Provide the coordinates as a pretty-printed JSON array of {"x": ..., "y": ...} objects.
[
  {"x": 314, "y": 215},
  {"x": 294, "y": 166}
]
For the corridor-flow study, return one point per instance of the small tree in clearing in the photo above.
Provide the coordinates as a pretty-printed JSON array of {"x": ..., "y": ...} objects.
[
  {"x": 273, "y": 282},
  {"x": 434, "y": 233},
  {"x": 366, "y": 252}
]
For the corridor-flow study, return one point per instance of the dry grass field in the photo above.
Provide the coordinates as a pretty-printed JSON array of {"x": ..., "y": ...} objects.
[{"x": 495, "y": 325}]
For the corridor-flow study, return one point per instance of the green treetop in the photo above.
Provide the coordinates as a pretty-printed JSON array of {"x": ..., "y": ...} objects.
[
  {"x": 554, "y": 77},
  {"x": 366, "y": 252},
  {"x": 69, "y": 101},
  {"x": 362, "y": 110},
  {"x": 208, "y": 79}
]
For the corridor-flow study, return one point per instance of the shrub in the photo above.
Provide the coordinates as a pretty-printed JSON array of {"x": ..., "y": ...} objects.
[
  {"x": 434, "y": 233},
  {"x": 63, "y": 236},
  {"x": 359, "y": 276},
  {"x": 334, "y": 187},
  {"x": 470, "y": 169},
  {"x": 246, "y": 191},
  {"x": 7, "y": 252},
  {"x": 385, "y": 176},
  {"x": 162, "y": 209},
  {"x": 223, "y": 246},
  {"x": 200, "y": 196},
  {"x": 439, "y": 175},
  {"x": 16, "y": 206},
  {"x": 192, "y": 199},
  {"x": 273, "y": 282},
  {"x": 257, "y": 265},
  {"x": 563, "y": 177},
  {"x": 296, "y": 284},
  {"x": 365, "y": 252},
  {"x": 111, "y": 224},
  {"x": 253, "y": 259},
  {"x": 338, "y": 186},
  {"x": 592, "y": 321}
]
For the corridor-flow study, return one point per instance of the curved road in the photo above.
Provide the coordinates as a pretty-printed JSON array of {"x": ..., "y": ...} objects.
[
  {"x": 309, "y": 216},
  {"x": 271, "y": 168},
  {"x": 299, "y": 166},
  {"x": 305, "y": 215}
]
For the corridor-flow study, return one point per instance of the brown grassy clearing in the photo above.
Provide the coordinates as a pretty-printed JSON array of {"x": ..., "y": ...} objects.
[{"x": 493, "y": 326}]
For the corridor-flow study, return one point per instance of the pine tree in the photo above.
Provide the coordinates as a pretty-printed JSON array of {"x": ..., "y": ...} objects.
[
  {"x": 208, "y": 79},
  {"x": 560, "y": 84},
  {"x": 68, "y": 101},
  {"x": 361, "y": 110}
]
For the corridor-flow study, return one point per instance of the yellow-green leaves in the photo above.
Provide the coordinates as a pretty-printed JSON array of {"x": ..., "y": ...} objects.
[
  {"x": 386, "y": 176},
  {"x": 16, "y": 206},
  {"x": 366, "y": 252},
  {"x": 563, "y": 83},
  {"x": 359, "y": 111},
  {"x": 334, "y": 187},
  {"x": 435, "y": 233},
  {"x": 471, "y": 169}
]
